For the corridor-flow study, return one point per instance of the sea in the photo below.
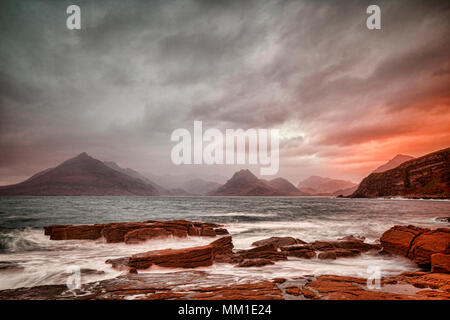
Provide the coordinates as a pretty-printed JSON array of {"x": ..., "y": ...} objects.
[{"x": 28, "y": 258}]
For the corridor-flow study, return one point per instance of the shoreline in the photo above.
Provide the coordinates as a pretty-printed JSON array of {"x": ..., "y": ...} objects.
[{"x": 428, "y": 248}]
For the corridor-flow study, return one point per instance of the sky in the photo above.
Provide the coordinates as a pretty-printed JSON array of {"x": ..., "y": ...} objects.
[{"x": 345, "y": 98}]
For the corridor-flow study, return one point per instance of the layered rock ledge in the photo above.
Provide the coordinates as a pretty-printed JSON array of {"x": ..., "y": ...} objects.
[
  {"x": 134, "y": 232},
  {"x": 430, "y": 249}
]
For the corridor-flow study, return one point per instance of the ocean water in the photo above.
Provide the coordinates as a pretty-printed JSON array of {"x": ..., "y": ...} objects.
[{"x": 28, "y": 258}]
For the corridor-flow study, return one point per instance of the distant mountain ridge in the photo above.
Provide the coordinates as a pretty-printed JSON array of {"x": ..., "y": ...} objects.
[
  {"x": 393, "y": 163},
  {"x": 78, "y": 176},
  {"x": 427, "y": 176},
  {"x": 316, "y": 185},
  {"x": 245, "y": 183}
]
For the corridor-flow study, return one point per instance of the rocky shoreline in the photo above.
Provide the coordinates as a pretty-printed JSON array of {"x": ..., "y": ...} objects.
[{"x": 429, "y": 249}]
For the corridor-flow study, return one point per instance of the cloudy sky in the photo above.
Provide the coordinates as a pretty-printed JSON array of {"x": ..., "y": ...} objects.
[{"x": 345, "y": 98}]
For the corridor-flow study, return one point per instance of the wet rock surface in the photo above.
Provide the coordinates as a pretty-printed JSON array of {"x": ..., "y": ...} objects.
[
  {"x": 134, "y": 232},
  {"x": 428, "y": 248},
  {"x": 200, "y": 285},
  {"x": 418, "y": 244}
]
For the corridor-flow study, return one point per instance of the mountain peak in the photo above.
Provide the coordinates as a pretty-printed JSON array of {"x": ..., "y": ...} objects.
[
  {"x": 393, "y": 163},
  {"x": 244, "y": 174}
]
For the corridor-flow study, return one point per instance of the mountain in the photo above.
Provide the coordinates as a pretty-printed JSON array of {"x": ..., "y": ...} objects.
[
  {"x": 245, "y": 183},
  {"x": 200, "y": 186},
  {"x": 80, "y": 176},
  {"x": 316, "y": 185},
  {"x": 393, "y": 163},
  {"x": 285, "y": 186},
  {"x": 427, "y": 176},
  {"x": 137, "y": 175},
  {"x": 345, "y": 192},
  {"x": 170, "y": 181}
]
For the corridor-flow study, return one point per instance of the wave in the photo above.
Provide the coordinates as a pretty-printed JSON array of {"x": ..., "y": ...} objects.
[
  {"x": 19, "y": 241},
  {"x": 244, "y": 214}
]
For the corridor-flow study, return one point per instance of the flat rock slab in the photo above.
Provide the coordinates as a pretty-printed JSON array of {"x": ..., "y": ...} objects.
[
  {"x": 134, "y": 232},
  {"x": 198, "y": 285}
]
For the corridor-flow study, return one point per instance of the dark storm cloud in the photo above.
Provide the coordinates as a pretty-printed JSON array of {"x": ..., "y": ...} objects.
[{"x": 139, "y": 69}]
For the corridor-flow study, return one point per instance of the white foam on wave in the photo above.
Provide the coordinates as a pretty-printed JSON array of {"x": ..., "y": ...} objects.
[
  {"x": 243, "y": 214},
  {"x": 50, "y": 262}
]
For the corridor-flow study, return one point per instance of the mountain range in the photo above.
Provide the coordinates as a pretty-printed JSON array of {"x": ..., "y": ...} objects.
[
  {"x": 320, "y": 186},
  {"x": 245, "y": 183},
  {"x": 427, "y": 176}
]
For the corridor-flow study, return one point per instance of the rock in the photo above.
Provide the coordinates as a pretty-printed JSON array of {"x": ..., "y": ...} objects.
[
  {"x": 339, "y": 253},
  {"x": 208, "y": 232},
  {"x": 193, "y": 285},
  {"x": 81, "y": 232},
  {"x": 181, "y": 258},
  {"x": 327, "y": 255},
  {"x": 222, "y": 247},
  {"x": 398, "y": 239},
  {"x": 267, "y": 251},
  {"x": 132, "y": 271},
  {"x": 221, "y": 231},
  {"x": 344, "y": 244},
  {"x": 293, "y": 290},
  {"x": 143, "y": 234},
  {"x": 133, "y": 232},
  {"x": 194, "y": 257},
  {"x": 115, "y": 232},
  {"x": 416, "y": 243},
  {"x": 440, "y": 262},
  {"x": 428, "y": 243},
  {"x": 299, "y": 251},
  {"x": 278, "y": 242},
  {"x": 254, "y": 263},
  {"x": 353, "y": 238}
]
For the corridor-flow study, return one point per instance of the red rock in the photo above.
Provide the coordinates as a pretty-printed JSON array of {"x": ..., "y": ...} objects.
[
  {"x": 181, "y": 258},
  {"x": 59, "y": 232},
  {"x": 293, "y": 290},
  {"x": 299, "y": 252},
  {"x": 428, "y": 243},
  {"x": 353, "y": 238},
  {"x": 278, "y": 242},
  {"x": 116, "y": 232},
  {"x": 263, "y": 252},
  {"x": 398, "y": 239},
  {"x": 339, "y": 253},
  {"x": 440, "y": 262},
  {"x": 208, "y": 232},
  {"x": 144, "y": 234},
  {"x": 254, "y": 263}
]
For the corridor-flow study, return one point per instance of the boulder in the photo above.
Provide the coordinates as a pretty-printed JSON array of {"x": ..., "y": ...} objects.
[
  {"x": 278, "y": 242},
  {"x": 440, "y": 262},
  {"x": 428, "y": 243},
  {"x": 418, "y": 244},
  {"x": 398, "y": 239}
]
